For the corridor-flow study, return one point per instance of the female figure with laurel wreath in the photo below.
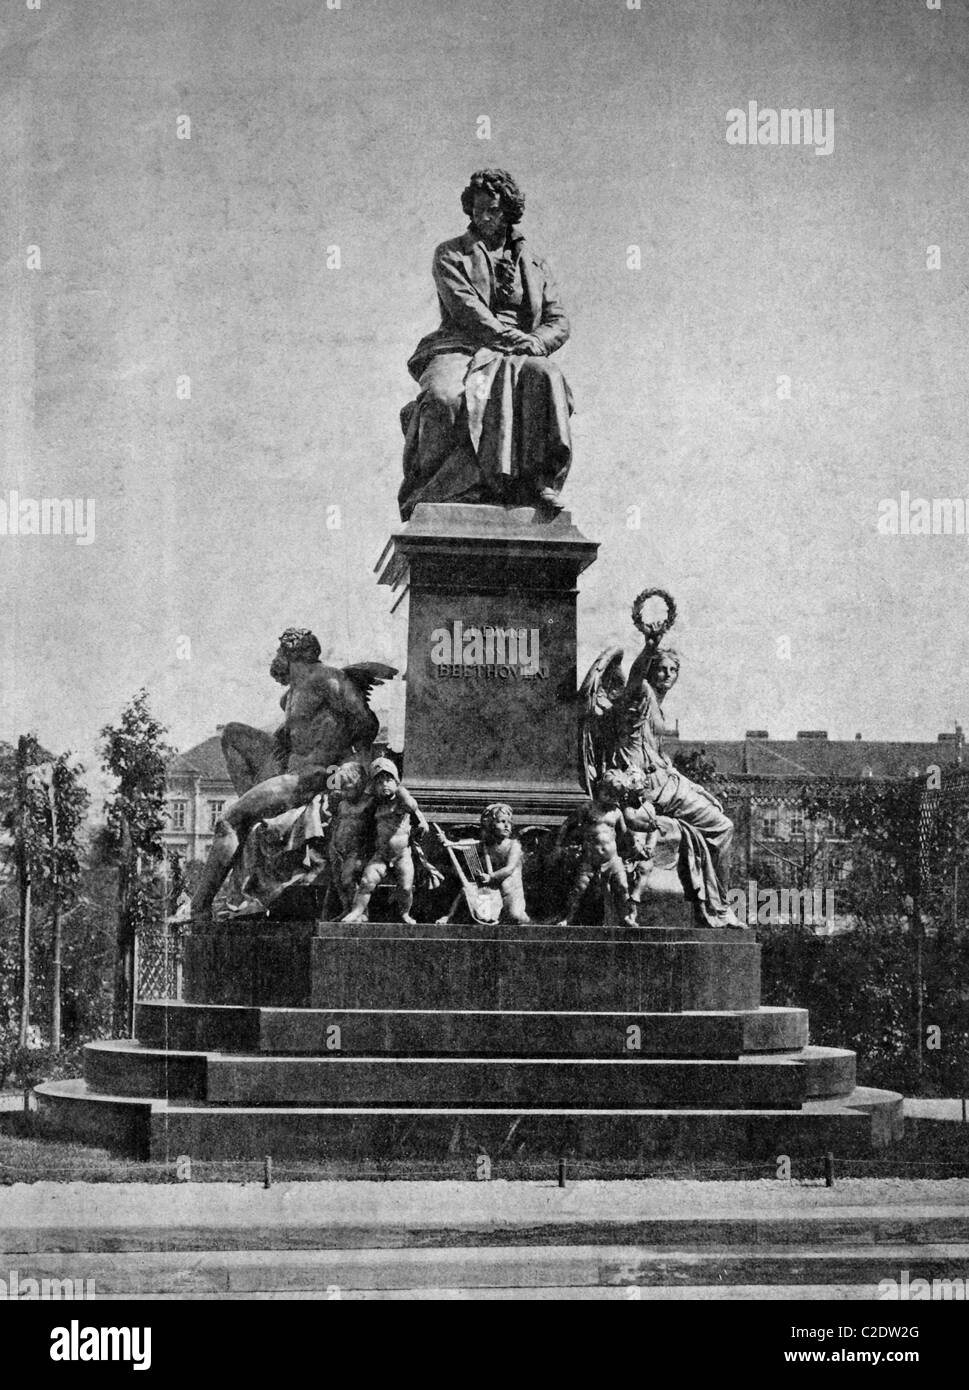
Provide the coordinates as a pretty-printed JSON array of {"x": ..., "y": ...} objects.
[{"x": 622, "y": 725}]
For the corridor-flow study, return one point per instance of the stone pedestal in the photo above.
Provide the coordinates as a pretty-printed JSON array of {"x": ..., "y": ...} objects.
[
  {"x": 491, "y": 658},
  {"x": 435, "y": 1045}
]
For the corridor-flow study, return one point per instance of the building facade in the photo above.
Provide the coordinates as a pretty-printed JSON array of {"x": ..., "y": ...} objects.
[
  {"x": 197, "y": 792},
  {"x": 763, "y": 781}
]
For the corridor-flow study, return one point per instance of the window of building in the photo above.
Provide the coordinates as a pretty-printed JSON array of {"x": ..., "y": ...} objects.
[
  {"x": 769, "y": 825},
  {"x": 215, "y": 811},
  {"x": 178, "y": 809},
  {"x": 797, "y": 822}
]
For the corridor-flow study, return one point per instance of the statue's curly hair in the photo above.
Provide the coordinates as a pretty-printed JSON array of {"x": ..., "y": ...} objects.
[
  {"x": 500, "y": 182},
  {"x": 348, "y": 774},
  {"x": 299, "y": 644},
  {"x": 491, "y": 813},
  {"x": 614, "y": 781}
]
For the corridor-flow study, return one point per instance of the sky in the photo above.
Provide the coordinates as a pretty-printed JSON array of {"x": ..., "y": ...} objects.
[{"x": 784, "y": 360}]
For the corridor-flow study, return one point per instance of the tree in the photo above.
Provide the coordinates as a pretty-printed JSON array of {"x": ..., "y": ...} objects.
[
  {"x": 43, "y": 809},
  {"x": 134, "y": 752},
  {"x": 881, "y": 822},
  {"x": 23, "y": 822},
  {"x": 698, "y": 767},
  {"x": 65, "y": 804}
]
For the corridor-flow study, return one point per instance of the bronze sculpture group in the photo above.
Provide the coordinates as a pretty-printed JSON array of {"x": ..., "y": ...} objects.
[
  {"x": 490, "y": 425},
  {"x": 352, "y": 826}
]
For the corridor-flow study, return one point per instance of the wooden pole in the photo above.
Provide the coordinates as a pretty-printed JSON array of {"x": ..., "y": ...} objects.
[
  {"x": 23, "y": 879},
  {"x": 55, "y": 928},
  {"x": 921, "y": 860},
  {"x": 123, "y": 954},
  {"x": 919, "y": 992}
]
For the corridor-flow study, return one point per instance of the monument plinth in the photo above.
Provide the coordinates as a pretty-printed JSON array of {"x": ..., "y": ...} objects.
[{"x": 491, "y": 658}]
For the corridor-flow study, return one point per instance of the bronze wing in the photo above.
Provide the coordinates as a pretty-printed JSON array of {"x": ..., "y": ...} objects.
[
  {"x": 598, "y": 695},
  {"x": 368, "y": 674}
]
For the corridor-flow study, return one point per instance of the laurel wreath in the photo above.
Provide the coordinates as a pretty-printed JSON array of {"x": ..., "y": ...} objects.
[{"x": 655, "y": 630}]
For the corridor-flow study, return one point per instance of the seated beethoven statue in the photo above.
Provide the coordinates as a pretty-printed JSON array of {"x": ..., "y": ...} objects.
[
  {"x": 328, "y": 722},
  {"x": 491, "y": 423}
]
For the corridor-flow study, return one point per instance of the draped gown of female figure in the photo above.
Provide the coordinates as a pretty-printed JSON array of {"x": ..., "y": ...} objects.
[
  {"x": 488, "y": 425},
  {"x": 706, "y": 830}
]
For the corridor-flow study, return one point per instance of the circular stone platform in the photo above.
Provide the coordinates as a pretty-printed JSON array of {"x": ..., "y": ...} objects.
[{"x": 382, "y": 1041}]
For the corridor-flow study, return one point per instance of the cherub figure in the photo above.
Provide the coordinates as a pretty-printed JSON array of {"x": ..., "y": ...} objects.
[
  {"x": 500, "y": 852},
  {"x": 348, "y": 842},
  {"x": 602, "y": 825},
  {"x": 396, "y": 816},
  {"x": 644, "y": 832}
]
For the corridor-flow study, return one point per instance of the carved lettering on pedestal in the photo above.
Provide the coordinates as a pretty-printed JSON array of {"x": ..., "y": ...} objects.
[{"x": 488, "y": 652}]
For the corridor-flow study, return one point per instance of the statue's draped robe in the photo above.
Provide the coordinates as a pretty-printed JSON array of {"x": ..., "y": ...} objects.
[
  {"x": 487, "y": 426},
  {"x": 706, "y": 831},
  {"x": 282, "y": 852}
]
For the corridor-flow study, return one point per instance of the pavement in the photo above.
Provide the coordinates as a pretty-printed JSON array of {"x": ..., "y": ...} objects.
[
  {"x": 444, "y": 1208},
  {"x": 918, "y": 1109},
  {"x": 649, "y": 1239}
]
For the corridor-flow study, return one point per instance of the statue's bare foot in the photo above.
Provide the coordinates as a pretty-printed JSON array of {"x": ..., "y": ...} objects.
[
  {"x": 357, "y": 916},
  {"x": 631, "y": 919},
  {"x": 564, "y": 923},
  {"x": 406, "y": 917}
]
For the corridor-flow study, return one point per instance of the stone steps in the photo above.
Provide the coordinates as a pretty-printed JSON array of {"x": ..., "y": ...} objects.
[
  {"x": 469, "y": 1032},
  {"x": 163, "y": 1130},
  {"x": 409, "y": 1044},
  {"x": 777, "y": 1081}
]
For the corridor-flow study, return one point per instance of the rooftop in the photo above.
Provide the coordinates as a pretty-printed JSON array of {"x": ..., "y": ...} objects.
[
  {"x": 205, "y": 759},
  {"x": 819, "y": 756}
]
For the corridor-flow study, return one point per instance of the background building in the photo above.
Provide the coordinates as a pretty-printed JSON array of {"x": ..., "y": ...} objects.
[
  {"x": 198, "y": 791},
  {"x": 762, "y": 782}
]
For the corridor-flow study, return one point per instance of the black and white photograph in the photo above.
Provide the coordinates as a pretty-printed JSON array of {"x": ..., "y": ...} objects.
[{"x": 484, "y": 799}]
